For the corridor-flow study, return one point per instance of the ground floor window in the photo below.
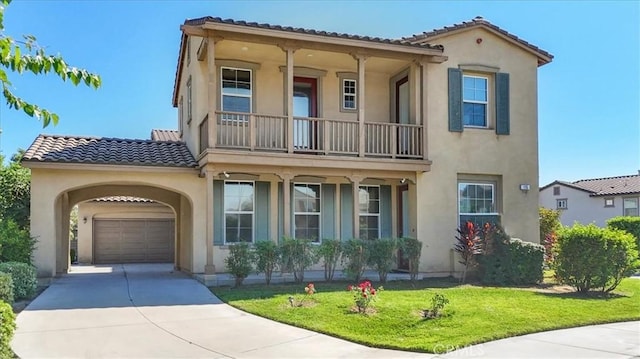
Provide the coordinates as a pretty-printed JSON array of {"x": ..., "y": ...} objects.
[
  {"x": 630, "y": 207},
  {"x": 238, "y": 211},
  {"x": 369, "y": 203},
  {"x": 477, "y": 202},
  {"x": 306, "y": 199}
]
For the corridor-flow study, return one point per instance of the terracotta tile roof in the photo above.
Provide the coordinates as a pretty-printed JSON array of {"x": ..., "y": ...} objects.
[
  {"x": 203, "y": 20},
  {"x": 544, "y": 57},
  {"x": 109, "y": 151},
  {"x": 128, "y": 199},
  {"x": 165, "y": 135},
  {"x": 610, "y": 186}
]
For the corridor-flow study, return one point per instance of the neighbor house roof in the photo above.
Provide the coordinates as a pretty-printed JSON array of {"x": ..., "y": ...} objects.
[
  {"x": 543, "y": 56},
  {"x": 609, "y": 186},
  {"x": 165, "y": 135},
  {"x": 109, "y": 151},
  {"x": 288, "y": 31}
]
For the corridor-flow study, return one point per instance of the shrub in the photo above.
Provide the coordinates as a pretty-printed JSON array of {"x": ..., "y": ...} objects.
[
  {"x": 467, "y": 245},
  {"x": 16, "y": 243},
  {"x": 329, "y": 251},
  {"x": 589, "y": 257},
  {"x": 363, "y": 295},
  {"x": 411, "y": 251},
  {"x": 297, "y": 255},
  {"x": 7, "y": 327},
  {"x": 438, "y": 302},
  {"x": 507, "y": 261},
  {"x": 24, "y": 278},
  {"x": 382, "y": 256},
  {"x": 549, "y": 222},
  {"x": 354, "y": 256},
  {"x": 630, "y": 225},
  {"x": 267, "y": 255},
  {"x": 239, "y": 261},
  {"x": 6, "y": 288}
]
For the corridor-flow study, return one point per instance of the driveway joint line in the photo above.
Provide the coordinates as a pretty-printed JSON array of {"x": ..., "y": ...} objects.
[
  {"x": 574, "y": 346},
  {"x": 280, "y": 343}
]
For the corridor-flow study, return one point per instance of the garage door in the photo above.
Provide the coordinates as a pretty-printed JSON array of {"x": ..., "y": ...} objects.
[{"x": 133, "y": 241}]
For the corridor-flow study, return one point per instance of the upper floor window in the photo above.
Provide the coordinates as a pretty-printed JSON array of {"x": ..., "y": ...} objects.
[
  {"x": 630, "y": 207},
  {"x": 609, "y": 202},
  {"x": 369, "y": 200},
  {"x": 306, "y": 199},
  {"x": 556, "y": 190},
  {"x": 562, "y": 203},
  {"x": 236, "y": 89},
  {"x": 189, "y": 101},
  {"x": 349, "y": 94},
  {"x": 238, "y": 211},
  {"x": 475, "y": 92}
]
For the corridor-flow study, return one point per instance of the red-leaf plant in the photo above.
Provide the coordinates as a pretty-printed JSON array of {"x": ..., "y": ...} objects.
[{"x": 468, "y": 244}]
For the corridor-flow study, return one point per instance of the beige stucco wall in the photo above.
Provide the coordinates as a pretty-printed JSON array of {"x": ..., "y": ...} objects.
[
  {"x": 512, "y": 159},
  {"x": 92, "y": 210},
  {"x": 55, "y": 191},
  {"x": 580, "y": 207}
]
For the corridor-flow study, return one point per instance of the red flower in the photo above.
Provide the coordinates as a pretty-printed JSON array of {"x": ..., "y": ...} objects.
[
  {"x": 349, "y": 288},
  {"x": 373, "y": 291}
]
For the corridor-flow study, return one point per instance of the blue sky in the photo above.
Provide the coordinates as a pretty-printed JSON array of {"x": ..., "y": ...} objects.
[{"x": 589, "y": 96}]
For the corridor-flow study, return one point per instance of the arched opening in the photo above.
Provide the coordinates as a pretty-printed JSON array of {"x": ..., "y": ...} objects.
[{"x": 124, "y": 223}]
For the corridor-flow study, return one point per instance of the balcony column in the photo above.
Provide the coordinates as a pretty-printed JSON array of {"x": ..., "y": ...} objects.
[
  {"x": 209, "y": 268},
  {"x": 424, "y": 105},
  {"x": 361, "y": 58},
  {"x": 212, "y": 93},
  {"x": 286, "y": 197},
  {"x": 289, "y": 49},
  {"x": 355, "y": 183}
]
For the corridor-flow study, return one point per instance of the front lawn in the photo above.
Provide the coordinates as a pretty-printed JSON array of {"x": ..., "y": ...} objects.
[{"x": 474, "y": 315}]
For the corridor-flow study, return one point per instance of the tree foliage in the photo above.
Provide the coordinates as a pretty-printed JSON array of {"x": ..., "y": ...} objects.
[
  {"x": 20, "y": 56},
  {"x": 15, "y": 191}
]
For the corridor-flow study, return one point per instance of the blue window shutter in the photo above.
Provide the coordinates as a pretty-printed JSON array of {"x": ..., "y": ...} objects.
[
  {"x": 261, "y": 211},
  {"x": 346, "y": 212},
  {"x": 385, "y": 212},
  {"x": 218, "y": 213},
  {"x": 280, "y": 212},
  {"x": 328, "y": 211},
  {"x": 455, "y": 100},
  {"x": 502, "y": 104}
]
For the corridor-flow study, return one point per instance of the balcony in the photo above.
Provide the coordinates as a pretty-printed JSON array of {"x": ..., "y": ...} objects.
[{"x": 318, "y": 136}]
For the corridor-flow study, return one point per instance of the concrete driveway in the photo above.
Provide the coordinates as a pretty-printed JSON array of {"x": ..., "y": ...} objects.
[{"x": 149, "y": 311}]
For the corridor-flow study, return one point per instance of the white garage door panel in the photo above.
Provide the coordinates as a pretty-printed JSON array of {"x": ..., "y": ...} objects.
[{"x": 133, "y": 240}]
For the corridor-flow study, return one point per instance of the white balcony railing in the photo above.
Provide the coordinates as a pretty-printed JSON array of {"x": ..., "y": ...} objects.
[{"x": 257, "y": 132}]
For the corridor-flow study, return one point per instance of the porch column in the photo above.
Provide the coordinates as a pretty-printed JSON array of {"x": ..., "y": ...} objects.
[
  {"x": 286, "y": 197},
  {"x": 424, "y": 105},
  {"x": 273, "y": 207},
  {"x": 360, "y": 93},
  {"x": 289, "y": 49},
  {"x": 212, "y": 91},
  {"x": 209, "y": 267},
  {"x": 355, "y": 182}
]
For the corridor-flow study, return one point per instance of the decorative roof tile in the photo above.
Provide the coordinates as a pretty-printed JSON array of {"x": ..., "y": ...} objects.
[
  {"x": 480, "y": 21},
  {"x": 165, "y": 135},
  {"x": 109, "y": 151},
  {"x": 128, "y": 199}
]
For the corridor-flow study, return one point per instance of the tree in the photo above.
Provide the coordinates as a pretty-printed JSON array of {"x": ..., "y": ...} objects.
[
  {"x": 15, "y": 194},
  {"x": 27, "y": 56}
]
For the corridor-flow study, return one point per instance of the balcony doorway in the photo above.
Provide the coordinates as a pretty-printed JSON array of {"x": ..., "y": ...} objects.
[
  {"x": 402, "y": 114},
  {"x": 305, "y": 107}
]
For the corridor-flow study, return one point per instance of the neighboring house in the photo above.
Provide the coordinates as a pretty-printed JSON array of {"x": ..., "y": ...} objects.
[
  {"x": 288, "y": 132},
  {"x": 593, "y": 200}
]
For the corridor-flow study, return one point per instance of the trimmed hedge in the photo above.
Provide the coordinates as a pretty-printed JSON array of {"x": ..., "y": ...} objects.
[
  {"x": 630, "y": 225},
  {"x": 589, "y": 257},
  {"x": 507, "y": 261},
  {"x": 24, "y": 278},
  {"x": 6, "y": 288},
  {"x": 7, "y": 327}
]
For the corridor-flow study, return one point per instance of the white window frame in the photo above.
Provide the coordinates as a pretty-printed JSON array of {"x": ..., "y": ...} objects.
[
  {"x": 367, "y": 214},
  {"x": 493, "y": 198},
  {"x": 252, "y": 212},
  {"x": 189, "y": 101},
  {"x": 562, "y": 203},
  {"x": 319, "y": 213},
  {"x": 345, "y": 94},
  {"x": 485, "y": 103},
  {"x": 236, "y": 117},
  {"x": 624, "y": 207}
]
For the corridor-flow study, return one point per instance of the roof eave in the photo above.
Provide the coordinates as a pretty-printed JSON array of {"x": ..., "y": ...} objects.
[
  {"x": 176, "y": 83},
  {"x": 32, "y": 163}
]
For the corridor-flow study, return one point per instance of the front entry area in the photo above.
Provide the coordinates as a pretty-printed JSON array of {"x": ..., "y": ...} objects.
[{"x": 133, "y": 241}]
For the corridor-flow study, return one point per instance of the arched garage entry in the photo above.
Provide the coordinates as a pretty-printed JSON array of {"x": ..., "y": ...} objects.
[{"x": 134, "y": 234}]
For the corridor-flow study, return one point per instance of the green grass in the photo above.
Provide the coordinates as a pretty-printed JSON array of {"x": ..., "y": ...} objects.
[{"x": 474, "y": 315}]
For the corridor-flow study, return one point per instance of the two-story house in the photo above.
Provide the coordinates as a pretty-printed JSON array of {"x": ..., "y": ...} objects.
[{"x": 289, "y": 132}]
